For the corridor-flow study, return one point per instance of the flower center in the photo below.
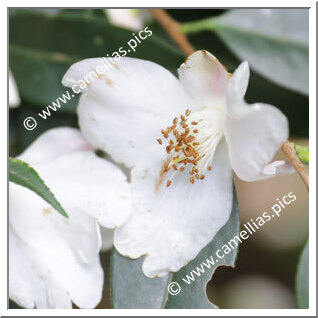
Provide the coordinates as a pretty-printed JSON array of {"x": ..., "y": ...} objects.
[{"x": 191, "y": 143}]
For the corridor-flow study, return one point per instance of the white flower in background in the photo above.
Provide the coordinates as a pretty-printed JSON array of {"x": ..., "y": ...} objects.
[
  {"x": 14, "y": 98},
  {"x": 55, "y": 260},
  {"x": 132, "y": 19},
  {"x": 182, "y": 189}
]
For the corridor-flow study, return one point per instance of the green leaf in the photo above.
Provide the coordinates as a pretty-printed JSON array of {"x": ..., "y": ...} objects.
[
  {"x": 130, "y": 288},
  {"x": 22, "y": 174},
  {"x": 302, "y": 153},
  {"x": 274, "y": 41},
  {"x": 43, "y": 44},
  {"x": 302, "y": 279}
]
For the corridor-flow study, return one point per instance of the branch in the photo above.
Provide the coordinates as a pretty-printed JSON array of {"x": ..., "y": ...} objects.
[
  {"x": 289, "y": 149},
  {"x": 173, "y": 28}
]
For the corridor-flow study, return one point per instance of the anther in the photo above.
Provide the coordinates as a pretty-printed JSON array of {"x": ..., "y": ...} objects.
[
  {"x": 192, "y": 180},
  {"x": 168, "y": 183},
  {"x": 190, "y": 138},
  {"x": 188, "y": 112},
  {"x": 209, "y": 168},
  {"x": 159, "y": 141},
  {"x": 194, "y": 123}
]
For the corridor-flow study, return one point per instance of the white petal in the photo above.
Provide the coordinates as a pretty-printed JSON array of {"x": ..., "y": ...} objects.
[
  {"x": 125, "y": 108},
  {"x": 254, "y": 133},
  {"x": 171, "y": 225},
  {"x": 277, "y": 168},
  {"x": 14, "y": 98},
  {"x": 53, "y": 144},
  {"x": 89, "y": 188},
  {"x": 205, "y": 78},
  {"x": 238, "y": 85},
  {"x": 41, "y": 280},
  {"x": 38, "y": 225},
  {"x": 91, "y": 185}
]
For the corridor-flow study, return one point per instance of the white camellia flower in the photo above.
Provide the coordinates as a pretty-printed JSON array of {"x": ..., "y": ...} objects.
[
  {"x": 181, "y": 181},
  {"x": 54, "y": 261}
]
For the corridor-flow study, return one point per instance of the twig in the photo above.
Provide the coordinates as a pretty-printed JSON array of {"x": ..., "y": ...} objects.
[
  {"x": 172, "y": 27},
  {"x": 289, "y": 149}
]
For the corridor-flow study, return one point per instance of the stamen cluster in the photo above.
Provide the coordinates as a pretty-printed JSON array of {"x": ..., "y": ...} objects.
[{"x": 183, "y": 147}]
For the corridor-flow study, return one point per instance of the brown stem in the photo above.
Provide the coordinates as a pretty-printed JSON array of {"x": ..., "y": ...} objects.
[
  {"x": 289, "y": 149},
  {"x": 172, "y": 27}
]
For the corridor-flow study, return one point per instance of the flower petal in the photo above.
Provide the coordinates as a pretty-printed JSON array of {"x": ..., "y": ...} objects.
[
  {"x": 89, "y": 188},
  {"x": 41, "y": 280},
  {"x": 91, "y": 185},
  {"x": 254, "y": 133},
  {"x": 205, "y": 78},
  {"x": 38, "y": 225},
  {"x": 277, "y": 168},
  {"x": 124, "y": 109},
  {"x": 238, "y": 85},
  {"x": 14, "y": 97},
  {"x": 53, "y": 144},
  {"x": 171, "y": 225}
]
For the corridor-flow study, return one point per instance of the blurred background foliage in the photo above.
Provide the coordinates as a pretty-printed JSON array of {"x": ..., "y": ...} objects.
[{"x": 43, "y": 43}]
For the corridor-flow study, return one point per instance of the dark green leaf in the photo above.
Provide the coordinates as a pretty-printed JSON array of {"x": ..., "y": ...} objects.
[
  {"x": 13, "y": 305},
  {"x": 22, "y": 174},
  {"x": 302, "y": 279},
  {"x": 130, "y": 288}
]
